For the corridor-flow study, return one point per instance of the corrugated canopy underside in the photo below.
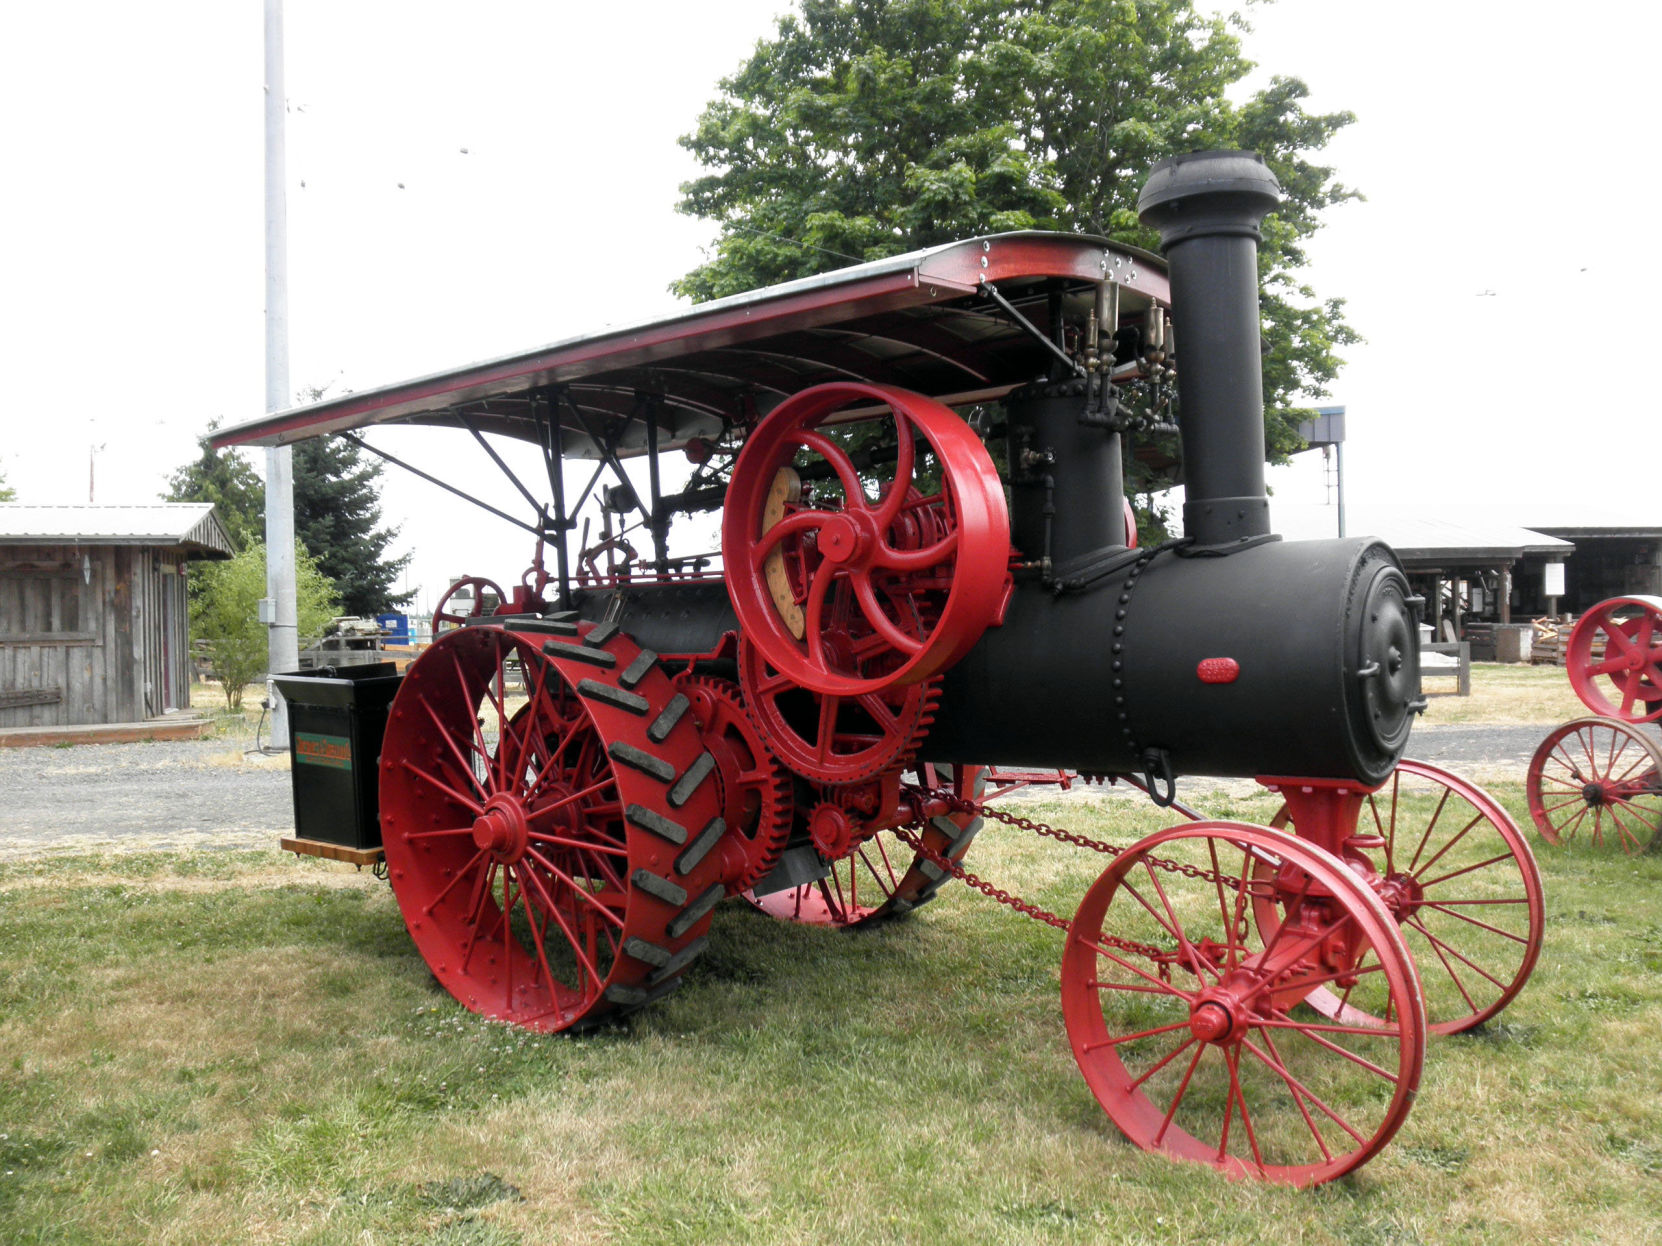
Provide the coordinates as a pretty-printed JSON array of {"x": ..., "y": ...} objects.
[{"x": 919, "y": 321}]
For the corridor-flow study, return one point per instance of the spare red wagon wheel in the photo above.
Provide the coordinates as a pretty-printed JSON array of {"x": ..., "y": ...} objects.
[
  {"x": 553, "y": 861},
  {"x": 445, "y": 617},
  {"x": 1625, "y": 681},
  {"x": 1175, "y": 1005},
  {"x": 1596, "y": 775},
  {"x": 924, "y": 567},
  {"x": 1458, "y": 877},
  {"x": 882, "y": 878}
]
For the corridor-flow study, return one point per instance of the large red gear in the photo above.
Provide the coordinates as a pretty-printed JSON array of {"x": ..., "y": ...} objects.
[
  {"x": 755, "y": 789},
  {"x": 831, "y": 738}
]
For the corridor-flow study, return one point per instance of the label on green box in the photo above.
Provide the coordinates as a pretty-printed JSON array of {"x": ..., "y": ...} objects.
[{"x": 333, "y": 751}]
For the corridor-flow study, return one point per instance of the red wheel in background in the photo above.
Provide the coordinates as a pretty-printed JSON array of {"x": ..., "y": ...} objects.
[
  {"x": 1595, "y": 776},
  {"x": 882, "y": 878},
  {"x": 449, "y": 615},
  {"x": 1624, "y": 679},
  {"x": 1457, "y": 875},
  {"x": 553, "y": 857},
  {"x": 917, "y": 550},
  {"x": 1175, "y": 1006}
]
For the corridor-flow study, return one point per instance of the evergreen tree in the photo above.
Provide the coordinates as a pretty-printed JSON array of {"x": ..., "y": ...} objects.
[
  {"x": 868, "y": 128},
  {"x": 225, "y": 478},
  {"x": 337, "y": 513}
]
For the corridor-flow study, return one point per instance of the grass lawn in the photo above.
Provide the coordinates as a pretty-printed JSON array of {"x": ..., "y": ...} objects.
[{"x": 224, "y": 1047}]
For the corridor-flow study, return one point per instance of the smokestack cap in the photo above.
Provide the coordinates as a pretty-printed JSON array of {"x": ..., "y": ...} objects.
[{"x": 1208, "y": 193}]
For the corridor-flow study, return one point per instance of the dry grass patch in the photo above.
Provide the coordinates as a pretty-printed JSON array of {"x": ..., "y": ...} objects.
[{"x": 1508, "y": 695}]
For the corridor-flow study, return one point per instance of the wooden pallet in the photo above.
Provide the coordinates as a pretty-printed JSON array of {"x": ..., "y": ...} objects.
[{"x": 332, "y": 852}]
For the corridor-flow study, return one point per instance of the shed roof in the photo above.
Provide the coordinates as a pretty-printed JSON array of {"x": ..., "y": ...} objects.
[{"x": 187, "y": 525}]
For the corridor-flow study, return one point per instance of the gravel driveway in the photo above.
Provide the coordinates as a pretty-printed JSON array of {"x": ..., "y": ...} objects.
[{"x": 208, "y": 793}]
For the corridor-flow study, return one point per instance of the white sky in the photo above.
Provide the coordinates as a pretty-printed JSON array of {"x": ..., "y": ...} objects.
[{"x": 1497, "y": 144}]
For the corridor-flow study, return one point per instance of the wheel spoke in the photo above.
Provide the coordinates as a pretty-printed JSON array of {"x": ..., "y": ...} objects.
[
  {"x": 854, "y": 494},
  {"x": 1177, "y": 1098},
  {"x": 875, "y": 615},
  {"x": 1303, "y": 1094},
  {"x": 458, "y": 797},
  {"x": 893, "y": 559},
  {"x": 1442, "y": 907},
  {"x": 1444, "y": 946},
  {"x": 1314, "y": 1032}
]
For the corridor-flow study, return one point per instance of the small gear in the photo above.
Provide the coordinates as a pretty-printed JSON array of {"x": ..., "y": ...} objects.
[{"x": 755, "y": 789}]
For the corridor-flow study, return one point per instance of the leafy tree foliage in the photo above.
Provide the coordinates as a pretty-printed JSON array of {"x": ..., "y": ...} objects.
[
  {"x": 867, "y": 128},
  {"x": 7, "y": 493},
  {"x": 337, "y": 510},
  {"x": 224, "y": 478},
  {"x": 223, "y": 612}
]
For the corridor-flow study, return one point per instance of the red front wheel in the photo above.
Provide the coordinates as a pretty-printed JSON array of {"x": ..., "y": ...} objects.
[
  {"x": 1615, "y": 659},
  {"x": 1182, "y": 1013},
  {"x": 1595, "y": 777}
]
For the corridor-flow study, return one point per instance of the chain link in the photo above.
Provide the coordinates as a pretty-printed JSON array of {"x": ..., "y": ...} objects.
[{"x": 909, "y": 835}]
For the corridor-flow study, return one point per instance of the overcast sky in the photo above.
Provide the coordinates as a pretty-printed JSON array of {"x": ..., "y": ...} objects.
[{"x": 466, "y": 181}]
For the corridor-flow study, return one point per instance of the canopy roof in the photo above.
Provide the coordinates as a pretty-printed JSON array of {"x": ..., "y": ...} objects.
[
  {"x": 184, "y": 525},
  {"x": 921, "y": 321}
]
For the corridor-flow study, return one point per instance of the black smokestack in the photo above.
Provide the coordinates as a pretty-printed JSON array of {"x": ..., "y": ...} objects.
[{"x": 1207, "y": 207}]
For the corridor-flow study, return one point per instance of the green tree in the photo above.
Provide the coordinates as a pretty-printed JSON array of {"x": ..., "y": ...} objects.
[
  {"x": 223, "y": 612},
  {"x": 7, "y": 493},
  {"x": 337, "y": 513},
  {"x": 225, "y": 478},
  {"x": 869, "y": 128}
]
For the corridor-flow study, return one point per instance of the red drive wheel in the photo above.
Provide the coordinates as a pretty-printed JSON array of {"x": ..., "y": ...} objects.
[
  {"x": 483, "y": 597},
  {"x": 1172, "y": 1002},
  {"x": 1455, "y": 872},
  {"x": 551, "y": 851},
  {"x": 917, "y": 571},
  {"x": 1624, "y": 679},
  {"x": 882, "y": 878},
  {"x": 1595, "y": 776}
]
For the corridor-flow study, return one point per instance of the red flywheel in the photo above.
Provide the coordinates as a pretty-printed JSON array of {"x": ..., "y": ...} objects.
[{"x": 909, "y": 535}]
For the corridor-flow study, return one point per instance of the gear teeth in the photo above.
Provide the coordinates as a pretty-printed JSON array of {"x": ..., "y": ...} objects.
[
  {"x": 597, "y": 691},
  {"x": 661, "y": 726},
  {"x": 640, "y": 759},
  {"x": 689, "y": 917},
  {"x": 659, "y": 888},
  {"x": 580, "y": 653}
]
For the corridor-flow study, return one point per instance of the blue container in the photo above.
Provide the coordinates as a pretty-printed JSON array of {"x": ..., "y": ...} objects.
[{"x": 396, "y": 626}]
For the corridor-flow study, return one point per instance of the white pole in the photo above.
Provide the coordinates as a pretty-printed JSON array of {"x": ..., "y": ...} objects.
[{"x": 283, "y": 650}]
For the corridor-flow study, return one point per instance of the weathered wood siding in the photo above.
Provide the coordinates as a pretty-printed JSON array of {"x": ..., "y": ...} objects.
[{"x": 86, "y": 633}]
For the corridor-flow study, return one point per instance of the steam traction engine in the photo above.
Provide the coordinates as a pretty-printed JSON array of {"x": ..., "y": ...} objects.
[{"x": 925, "y": 567}]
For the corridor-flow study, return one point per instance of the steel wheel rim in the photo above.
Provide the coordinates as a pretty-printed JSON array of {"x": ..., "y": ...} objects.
[
  {"x": 1593, "y": 777},
  {"x": 1625, "y": 681},
  {"x": 1460, "y": 880},
  {"x": 1312, "y": 1113}
]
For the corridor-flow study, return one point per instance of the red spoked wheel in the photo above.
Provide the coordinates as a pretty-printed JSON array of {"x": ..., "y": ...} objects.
[
  {"x": 1455, "y": 872},
  {"x": 882, "y": 878},
  {"x": 755, "y": 790},
  {"x": 925, "y": 569},
  {"x": 448, "y": 615},
  {"x": 551, "y": 852},
  {"x": 1596, "y": 775},
  {"x": 1175, "y": 1006},
  {"x": 830, "y": 737},
  {"x": 1625, "y": 680}
]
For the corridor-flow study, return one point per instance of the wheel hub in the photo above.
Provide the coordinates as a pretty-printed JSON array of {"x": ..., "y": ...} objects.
[
  {"x": 841, "y": 539},
  {"x": 1212, "y": 1020},
  {"x": 502, "y": 829},
  {"x": 1593, "y": 794}
]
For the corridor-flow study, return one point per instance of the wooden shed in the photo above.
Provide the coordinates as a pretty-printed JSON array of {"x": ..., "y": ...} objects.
[{"x": 94, "y": 626}]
